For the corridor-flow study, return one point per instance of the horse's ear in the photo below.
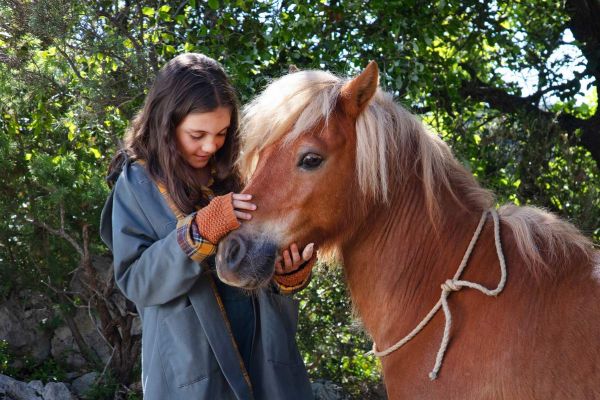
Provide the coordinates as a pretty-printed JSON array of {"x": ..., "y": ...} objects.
[
  {"x": 356, "y": 93},
  {"x": 292, "y": 68}
]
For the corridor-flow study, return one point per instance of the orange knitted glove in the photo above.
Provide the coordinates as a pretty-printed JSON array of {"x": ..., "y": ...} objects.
[
  {"x": 217, "y": 219},
  {"x": 297, "y": 277}
]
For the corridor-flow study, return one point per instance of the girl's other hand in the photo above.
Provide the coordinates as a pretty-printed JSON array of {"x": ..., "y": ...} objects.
[
  {"x": 242, "y": 204},
  {"x": 292, "y": 259}
]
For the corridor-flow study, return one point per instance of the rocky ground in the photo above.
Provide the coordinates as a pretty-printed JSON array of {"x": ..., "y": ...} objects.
[{"x": 12, "y": 389}]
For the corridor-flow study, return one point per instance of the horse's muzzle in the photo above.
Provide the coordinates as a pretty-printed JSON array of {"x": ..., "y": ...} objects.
[{"x": 245, "y": 263}]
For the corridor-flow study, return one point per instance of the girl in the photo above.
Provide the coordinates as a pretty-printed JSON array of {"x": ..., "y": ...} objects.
[{"x": 173, "y": 200}]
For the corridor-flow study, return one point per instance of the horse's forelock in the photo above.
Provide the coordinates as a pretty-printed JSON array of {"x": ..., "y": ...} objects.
[{"x": 289, "y": 106}]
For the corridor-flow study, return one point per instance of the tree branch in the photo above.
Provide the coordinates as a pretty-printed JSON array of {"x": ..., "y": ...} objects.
[
  {"x": 501, "y": 100},
  {"x": 59, "y": 232},
  {"x": 585, "y": 25},
  {"x": 70, "y": 62}
]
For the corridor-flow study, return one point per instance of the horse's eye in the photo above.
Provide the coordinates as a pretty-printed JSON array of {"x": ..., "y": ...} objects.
[{"x": 310, "y": 161}]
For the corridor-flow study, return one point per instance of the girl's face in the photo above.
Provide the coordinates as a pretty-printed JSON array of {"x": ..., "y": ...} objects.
[{"x": 200, "y": 135}]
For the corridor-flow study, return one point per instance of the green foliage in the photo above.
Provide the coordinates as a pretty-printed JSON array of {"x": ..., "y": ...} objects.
[
  {"x": 333, "y": 345},
  {"x": 108, "y": 388},
  {"x": 49, "y": 371},
  {"x": 103, "y": 390},
  {"x": 28, "y": 369},
  {"x": 4, "y": 357}
]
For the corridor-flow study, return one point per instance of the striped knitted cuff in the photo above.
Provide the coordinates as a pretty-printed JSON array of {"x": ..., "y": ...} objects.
[{"x": 297, "y": 280}]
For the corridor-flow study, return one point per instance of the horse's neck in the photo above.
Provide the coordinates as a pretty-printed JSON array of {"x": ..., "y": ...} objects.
[{"x": 397, "y": 261}]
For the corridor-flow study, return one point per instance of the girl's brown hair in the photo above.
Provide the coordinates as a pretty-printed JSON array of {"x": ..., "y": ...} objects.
[{"x": 189, "y": 83}]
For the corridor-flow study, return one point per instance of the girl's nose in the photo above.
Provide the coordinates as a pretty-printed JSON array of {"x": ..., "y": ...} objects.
[{"x": 209, "y": 146}]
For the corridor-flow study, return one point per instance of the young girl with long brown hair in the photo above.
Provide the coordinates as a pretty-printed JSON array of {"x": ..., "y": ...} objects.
[{"x": 175, "y": 196}]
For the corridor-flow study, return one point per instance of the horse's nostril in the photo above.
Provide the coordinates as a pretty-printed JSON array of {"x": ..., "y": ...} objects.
[
  {"x": 234, "y": 249},
  {"x": 234, "y": 252}
]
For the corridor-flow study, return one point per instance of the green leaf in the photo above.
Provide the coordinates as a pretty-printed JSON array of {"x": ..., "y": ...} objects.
[
  {"x": 95, "y": 152},
  {"x": 167, "y": 37},
  {"x": 148, "y": 11},
  {"x": 72, "y": 129},
  {"x": 214, "y": 4}
]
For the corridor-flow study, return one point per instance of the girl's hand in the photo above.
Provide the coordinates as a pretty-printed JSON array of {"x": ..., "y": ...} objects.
[
  {"x": 241, "y": 203},
  {"x": 292, "y": 259}
]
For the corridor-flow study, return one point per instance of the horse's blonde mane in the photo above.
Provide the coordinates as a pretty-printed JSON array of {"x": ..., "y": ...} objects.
[
  {"x": 546, "y": 241},
  {"x": 392, "y": 142}
]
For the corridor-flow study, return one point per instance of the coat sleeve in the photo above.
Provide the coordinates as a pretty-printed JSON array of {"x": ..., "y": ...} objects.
[{"x": 149, "y": 270}]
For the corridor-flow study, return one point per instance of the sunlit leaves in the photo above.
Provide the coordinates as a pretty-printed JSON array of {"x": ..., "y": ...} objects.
[
  {"x": 148, "y": 11},
  {"x": 333, "y": 345}
]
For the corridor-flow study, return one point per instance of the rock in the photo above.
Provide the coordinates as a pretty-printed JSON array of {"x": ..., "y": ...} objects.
[
  {"x": 136, "y": 327},
  {"x": 326, "y": 390},
  {"x": 83, "y": 383},
  {"x": 57, "y": 391},
  {"x": 378, "y": 391},
  {"x": 38, "y": 386},
  {"x": 28, "y": 323},
  {"x": 65, "y": 348},
  {"x": 21, "y": 319},
  {"x": 71, "y": 376},
  {"x": 12, "y": 389}
]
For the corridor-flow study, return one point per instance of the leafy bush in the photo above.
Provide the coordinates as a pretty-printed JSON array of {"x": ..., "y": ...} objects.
[
  {"x": 28, "y": 369},
  {"x": 4, "y": 357},
  {"x": 330, "y": 339}
]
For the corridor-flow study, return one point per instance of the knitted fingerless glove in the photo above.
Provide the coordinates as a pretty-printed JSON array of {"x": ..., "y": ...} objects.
[
  {"x": 295, "y": 280},
  {"x": 217, "y": 219}
]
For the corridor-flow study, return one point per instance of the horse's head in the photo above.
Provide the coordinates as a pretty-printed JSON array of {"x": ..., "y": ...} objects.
[{"x": 299, "y": 151}]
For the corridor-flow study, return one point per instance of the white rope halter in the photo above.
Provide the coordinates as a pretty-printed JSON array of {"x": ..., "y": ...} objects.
[{"x": 454, "y": 285}]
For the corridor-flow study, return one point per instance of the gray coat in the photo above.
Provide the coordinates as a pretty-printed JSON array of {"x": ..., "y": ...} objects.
[{"x": 187, "y": 348}]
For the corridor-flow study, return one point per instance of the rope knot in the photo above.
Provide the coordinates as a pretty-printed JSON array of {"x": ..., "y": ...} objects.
[
  {"x": 450, "y": 286},
  {"x": 454, "y": 285}
]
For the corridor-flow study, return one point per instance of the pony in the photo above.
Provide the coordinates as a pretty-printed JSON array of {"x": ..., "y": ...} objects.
[{"x": 339, "y": 163}]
